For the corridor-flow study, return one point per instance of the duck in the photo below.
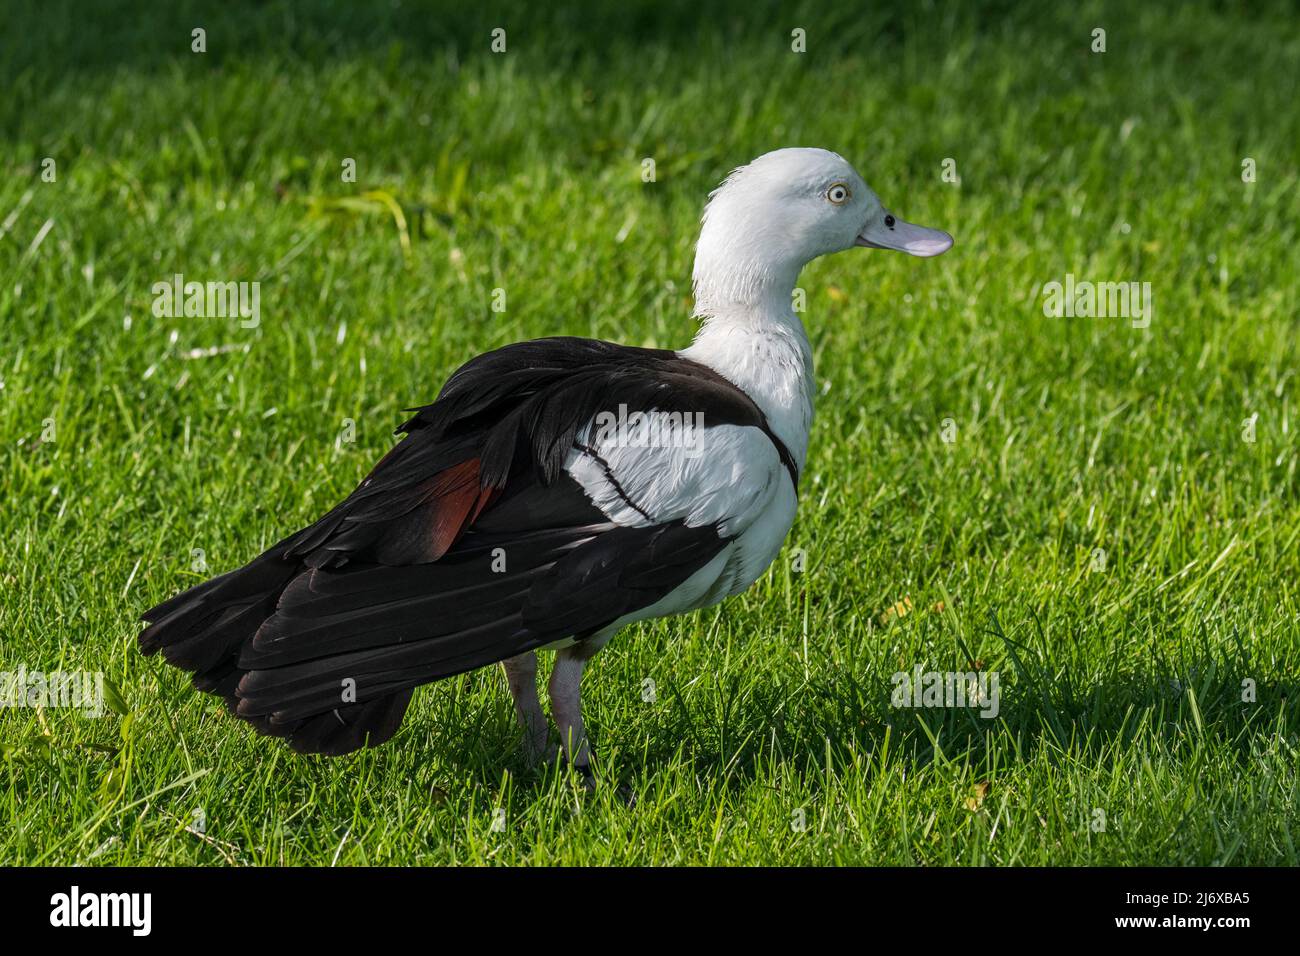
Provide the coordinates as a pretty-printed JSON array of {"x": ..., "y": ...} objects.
[{"x": 556, "y": 491}]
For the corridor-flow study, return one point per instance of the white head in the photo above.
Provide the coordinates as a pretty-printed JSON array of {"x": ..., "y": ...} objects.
[{"x": 771, "y": 218}]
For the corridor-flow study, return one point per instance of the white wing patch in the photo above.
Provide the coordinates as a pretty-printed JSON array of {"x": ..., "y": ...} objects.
[
  {"x": 660, "y": 469},
  {"x": 729, "y": 475}
]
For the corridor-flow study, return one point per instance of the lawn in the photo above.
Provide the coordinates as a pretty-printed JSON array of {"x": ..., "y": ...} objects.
[{"x": 1104, "y": 511}]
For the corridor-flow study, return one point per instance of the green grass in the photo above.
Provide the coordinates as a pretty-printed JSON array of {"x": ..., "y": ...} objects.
[{"x": 1121, "y": 688}]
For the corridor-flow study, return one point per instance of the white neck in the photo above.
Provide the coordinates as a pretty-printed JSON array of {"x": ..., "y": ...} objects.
[{"x": 752, "y": 337}]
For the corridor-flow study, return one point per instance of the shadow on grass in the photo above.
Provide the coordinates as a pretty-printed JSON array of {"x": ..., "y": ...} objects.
[
  {"x": 1174, "y": 711},
  {"x": 63, "y": 41},
  {"x": 790, "y": 727},
  {"x": 142, "y": 35}
]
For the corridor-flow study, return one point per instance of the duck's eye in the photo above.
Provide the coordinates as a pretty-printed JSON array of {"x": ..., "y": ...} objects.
[
  {"x": 838, "y": 194},
  {"x": 889, "y": 221}
]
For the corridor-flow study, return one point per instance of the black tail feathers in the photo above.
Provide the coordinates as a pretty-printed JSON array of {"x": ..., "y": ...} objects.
[{"x": 204, "y": 631}]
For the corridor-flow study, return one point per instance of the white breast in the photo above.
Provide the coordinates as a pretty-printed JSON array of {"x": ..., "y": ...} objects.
[
  {"x": 771, "y": 362},
  {"x": 755, "y": 548}
]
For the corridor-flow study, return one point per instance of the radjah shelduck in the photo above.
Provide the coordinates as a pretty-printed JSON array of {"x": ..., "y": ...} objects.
[{"x": 511, "y": 518}]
